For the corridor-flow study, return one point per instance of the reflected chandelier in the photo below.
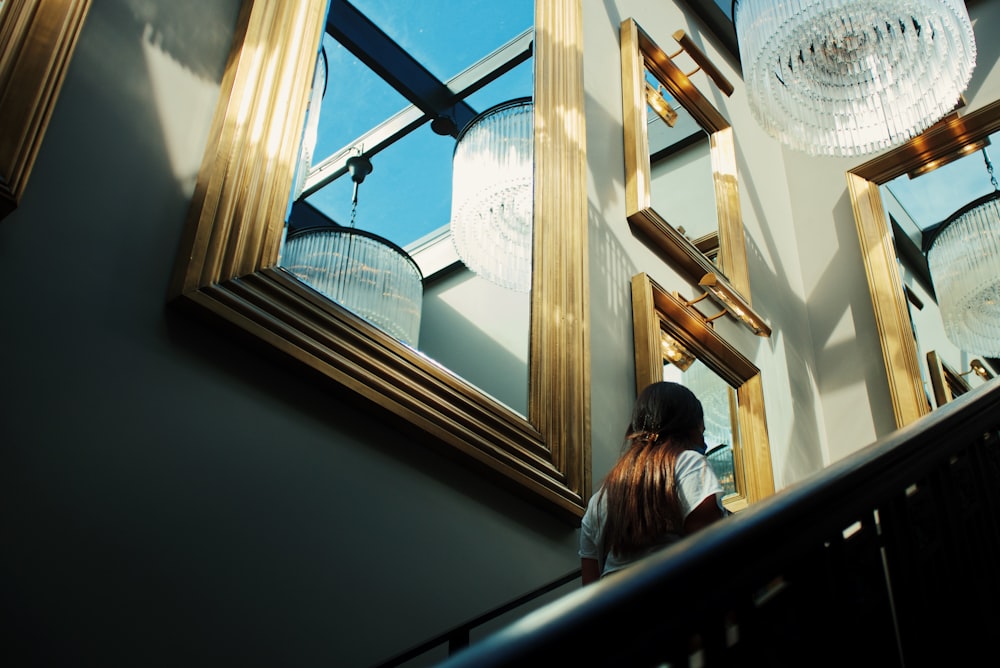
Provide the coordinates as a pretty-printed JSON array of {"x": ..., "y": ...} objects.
[
  {"x": 964, "y": 261},
  {"x": 492, "y": 194},
  {"x": 363, "y": 272},
  {"x": 849, "y": 77}
]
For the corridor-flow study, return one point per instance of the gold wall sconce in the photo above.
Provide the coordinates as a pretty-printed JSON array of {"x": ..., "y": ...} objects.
[
  {"x": 675, "y": 352},
  {"x": 977, "y": 367},
  {"x": 731, "y": 304},
  {"x": 659, "y": 104},
  {"x": 734, "y": 304},
  {"x": 702, "y": 61}
]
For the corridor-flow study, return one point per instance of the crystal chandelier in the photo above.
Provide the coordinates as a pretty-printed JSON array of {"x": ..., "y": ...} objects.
[
  {"x": 964, "y": 261},
  {"x": 849, "y": 77},
  {"x": 363, "y": 272},
  {"x": 492, "y": 207}
]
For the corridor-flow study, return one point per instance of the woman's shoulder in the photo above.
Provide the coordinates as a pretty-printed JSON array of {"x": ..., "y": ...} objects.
[{"x": 690, "y": 460}]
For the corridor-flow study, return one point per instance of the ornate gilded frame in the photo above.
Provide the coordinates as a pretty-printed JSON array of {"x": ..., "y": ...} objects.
[
  {"x": 656, "y": 312},
  {"x": 942, "y": 142},
  {"x": 638, "y": 53},
  {"x": 37, "y": 39},
  {"x": 227, "y": 263}
]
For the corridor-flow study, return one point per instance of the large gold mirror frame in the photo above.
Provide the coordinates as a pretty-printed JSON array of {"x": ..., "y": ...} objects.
[
  {"x": 657, "y": 313},
  {"x": 227, "y": 264},
  {"x": 899, "y": 348},
  {"x": 640, "y": 53},
  {"x": 36, "y": 42}
]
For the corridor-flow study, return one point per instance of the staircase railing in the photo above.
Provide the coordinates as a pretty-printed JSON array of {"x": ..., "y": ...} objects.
[
  {"x": 458, "y": 637},
  {"x": 886, "y": 558}
]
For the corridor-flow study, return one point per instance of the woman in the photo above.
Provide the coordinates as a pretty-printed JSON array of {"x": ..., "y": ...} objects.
[{"x": 661, "y": 489}]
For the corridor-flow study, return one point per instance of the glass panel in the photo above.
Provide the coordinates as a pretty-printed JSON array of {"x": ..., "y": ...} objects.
[
  {"x": 718, "y": 402},
  {"x": 446, "y": 36},
  {"x": 680, "y": 162}
]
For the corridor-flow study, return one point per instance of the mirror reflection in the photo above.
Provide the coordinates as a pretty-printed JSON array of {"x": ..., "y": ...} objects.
[
  {"x": 369, "y": 224},
  {"x": 680, "y": 162},
  {"x": 920, "y": 207},
  {"x": 718, "y": 400}
]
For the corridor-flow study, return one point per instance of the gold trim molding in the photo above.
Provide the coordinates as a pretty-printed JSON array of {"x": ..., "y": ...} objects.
[
  {"x": 226, "y": 265},
  {"x": 892, "y": 319},
  {"x": 37, "y": 38}
]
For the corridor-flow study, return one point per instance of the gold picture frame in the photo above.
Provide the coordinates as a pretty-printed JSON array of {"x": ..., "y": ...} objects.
[
  {"x": 725, "y": 258},
  {"x": 657, "y": 313},
  {"x": 941, "y": 142},
  {"x": 227, "y": 262},
  {"x": 37, "y": 39}
]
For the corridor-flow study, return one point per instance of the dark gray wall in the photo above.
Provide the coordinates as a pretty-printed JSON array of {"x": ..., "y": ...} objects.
[{"x": 172, "y": 495}]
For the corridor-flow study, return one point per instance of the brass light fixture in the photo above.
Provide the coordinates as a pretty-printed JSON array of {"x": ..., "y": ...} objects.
[
  {"x": 659, "y": 104},
  {"x": 702, "y": 61},
  {"x": 977, "y": 367},
  {"x": 735, "y": 305},
  {"x": 675, "y": 352}
]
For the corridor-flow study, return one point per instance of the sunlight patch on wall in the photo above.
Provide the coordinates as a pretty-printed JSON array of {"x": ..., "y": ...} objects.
[{"x": 182, "y": 118}]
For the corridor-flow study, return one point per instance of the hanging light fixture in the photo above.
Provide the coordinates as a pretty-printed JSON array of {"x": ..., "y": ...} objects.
[
  {"x": 964, "y": 261},
  {"x": 367, "y": 274},
  {"x": 492, "y": 206},
  {"x": 849, "y": 77}
]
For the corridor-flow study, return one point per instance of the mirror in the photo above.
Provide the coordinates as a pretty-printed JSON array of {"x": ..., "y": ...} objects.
[
  {"x": 36, "y": 43},
  {"x": 674, "y": 342},
  {"x": 901, "y": 313},
  {"x": 676, "y": 141},
  {"x": 227, "y": 265},
  {"x": 680, "y": 161},
  {"x": 918, "y": 205}
]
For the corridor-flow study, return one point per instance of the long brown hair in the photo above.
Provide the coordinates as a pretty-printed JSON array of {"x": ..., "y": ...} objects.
[{"x": 642, "y": 501}]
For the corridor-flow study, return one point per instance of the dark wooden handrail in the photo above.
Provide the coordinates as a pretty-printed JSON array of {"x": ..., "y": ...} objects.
[
  {"x": 458, "y": 637},
  {"x": 887, "y": 557}
]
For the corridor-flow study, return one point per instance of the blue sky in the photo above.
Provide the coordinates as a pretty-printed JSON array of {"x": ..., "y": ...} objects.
[{"x": 408, "y": 193}]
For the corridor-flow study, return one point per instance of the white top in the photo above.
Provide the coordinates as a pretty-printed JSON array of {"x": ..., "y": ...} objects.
[{"x": 695, "y": 480}]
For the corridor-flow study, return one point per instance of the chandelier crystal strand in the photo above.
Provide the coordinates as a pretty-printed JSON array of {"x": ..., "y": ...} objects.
[
  {"x": 849, "y": 77},
  {"x": 492, "y": 194},
  {"x": 964, "y": 261}
]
